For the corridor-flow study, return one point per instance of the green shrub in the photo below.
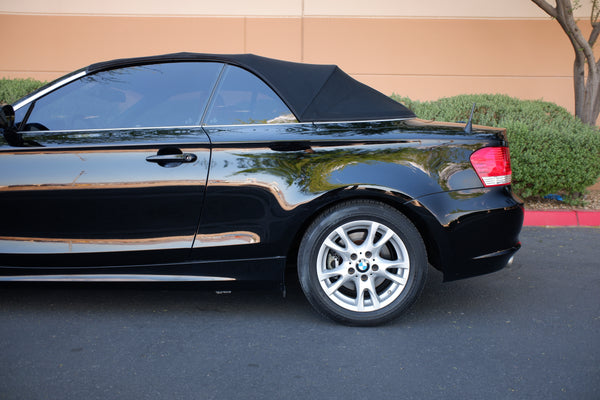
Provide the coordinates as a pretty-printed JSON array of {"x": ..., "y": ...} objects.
[
  {"x": 12, "y": 90},
  {"x": 551, "y": 150}
]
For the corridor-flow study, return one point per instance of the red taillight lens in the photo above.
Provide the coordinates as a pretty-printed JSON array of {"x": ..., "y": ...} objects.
[{"x": 492, "y": 164}]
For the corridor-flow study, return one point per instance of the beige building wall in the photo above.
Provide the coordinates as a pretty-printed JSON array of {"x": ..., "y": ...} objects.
[{"x": 424, "y": 50}]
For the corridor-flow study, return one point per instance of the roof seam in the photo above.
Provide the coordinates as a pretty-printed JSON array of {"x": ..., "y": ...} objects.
[{"x": 333, "y": 70}]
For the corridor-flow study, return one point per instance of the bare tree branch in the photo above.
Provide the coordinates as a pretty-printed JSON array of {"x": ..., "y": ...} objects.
[
  {"x": 569, "y": 25},
  {"x": 586, "y": 69},
  {"x": 595, "y": 15},
  {"x": 594, "y": 34},
  {"x": 544, "y": 5}
]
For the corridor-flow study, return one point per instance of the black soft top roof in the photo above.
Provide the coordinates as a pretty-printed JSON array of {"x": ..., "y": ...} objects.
[{"x": 314, "y": 93}]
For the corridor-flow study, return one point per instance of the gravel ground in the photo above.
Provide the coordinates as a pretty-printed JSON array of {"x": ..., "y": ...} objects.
[{"x": 591, "y": 201}]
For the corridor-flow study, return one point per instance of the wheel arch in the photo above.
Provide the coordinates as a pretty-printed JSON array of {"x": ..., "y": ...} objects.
[{"x": 421, "y": 218}]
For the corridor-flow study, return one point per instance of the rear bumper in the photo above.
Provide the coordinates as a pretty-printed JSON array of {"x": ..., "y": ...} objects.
[
  {"x": 472, "y": 232},
  {"x": 481, "y": 265}
]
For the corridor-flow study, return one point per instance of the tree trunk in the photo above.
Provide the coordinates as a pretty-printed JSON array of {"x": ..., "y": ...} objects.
[
  {"x": 586, "y": 83},
  {"x": 596, "y": 98},
  {"x": 579, "y": 82},
  {"x": 587, "y": 93}
]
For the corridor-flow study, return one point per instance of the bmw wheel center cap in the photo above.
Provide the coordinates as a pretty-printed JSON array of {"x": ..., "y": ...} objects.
[{"x": 362, "y": 265}]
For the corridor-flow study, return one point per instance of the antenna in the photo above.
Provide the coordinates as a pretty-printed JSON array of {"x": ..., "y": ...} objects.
[{"x": 469, "y": 125}]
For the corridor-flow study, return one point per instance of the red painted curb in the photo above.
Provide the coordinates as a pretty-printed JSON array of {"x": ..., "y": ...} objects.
[
  {"x": 562, "y": 218},
  {"x": 588, "y": 218}
]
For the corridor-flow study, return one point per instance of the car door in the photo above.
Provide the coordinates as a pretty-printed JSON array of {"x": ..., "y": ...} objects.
[
  {"x": 114, "y": 172},
  {"x": 252, "y": 187}
]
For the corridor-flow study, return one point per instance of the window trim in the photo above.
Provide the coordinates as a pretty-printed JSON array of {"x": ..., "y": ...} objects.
[
  {"x": 31, "y": 100},
  {"x": 51, "y": 88}
]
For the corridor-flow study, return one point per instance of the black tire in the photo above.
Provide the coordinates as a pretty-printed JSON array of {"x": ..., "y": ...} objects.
[{"x": 357, "y": 281}]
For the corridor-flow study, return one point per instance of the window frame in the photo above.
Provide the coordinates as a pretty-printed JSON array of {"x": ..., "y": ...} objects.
[{"x": 29, "y": 102}]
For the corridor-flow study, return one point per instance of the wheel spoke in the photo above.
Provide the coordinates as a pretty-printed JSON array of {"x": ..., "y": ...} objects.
[
  {"x": 334, "y": 246},
  {"x": 373, "y": 293},
  {"x": 363, "y": 288},
  {"x": 384, "y": 271},
  {"x": 360, "y": 300},
  {"x": 388, "y": 235},
  {"x": 331, "y": 273},
  {"x": 370, "y": 240},
  {"x": 343, "y": 235},
  {"x": 336, "y": 285},
  {"x": 400, "y": 280},
  {"x": 387, "y": 264}
]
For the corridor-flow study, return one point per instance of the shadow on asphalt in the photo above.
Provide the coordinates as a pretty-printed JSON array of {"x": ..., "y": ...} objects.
[
  {"x": 535, "y": 279},
  {"x": 231, "y": 301}
]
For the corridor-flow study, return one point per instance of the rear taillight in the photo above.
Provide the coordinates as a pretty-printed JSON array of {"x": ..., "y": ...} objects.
[{"x": 492, "y": 164}]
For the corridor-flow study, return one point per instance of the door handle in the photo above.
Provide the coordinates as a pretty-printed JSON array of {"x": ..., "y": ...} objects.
[
  {"x": 290, "y": 146},
  {"x": 172, "y": 158}
]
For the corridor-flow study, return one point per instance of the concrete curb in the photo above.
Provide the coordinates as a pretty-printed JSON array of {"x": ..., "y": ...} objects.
[{"x": 562, "y": 218}]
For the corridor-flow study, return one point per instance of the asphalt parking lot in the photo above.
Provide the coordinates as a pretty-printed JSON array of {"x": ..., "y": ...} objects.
[{"x": 529, "y": 331}]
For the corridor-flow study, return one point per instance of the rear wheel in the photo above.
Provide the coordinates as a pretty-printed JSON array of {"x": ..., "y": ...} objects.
[{"x": 362, "y": 263}]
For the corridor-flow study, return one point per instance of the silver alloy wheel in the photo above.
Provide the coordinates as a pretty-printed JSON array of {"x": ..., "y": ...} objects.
[{"x": 363, "y": 266}]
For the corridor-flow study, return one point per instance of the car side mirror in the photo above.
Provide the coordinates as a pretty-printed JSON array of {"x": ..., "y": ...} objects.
[
  {"x": 7, "y": 126},
  {"x": 10, "y": 131},
  {"x": 7, "y": 117}
]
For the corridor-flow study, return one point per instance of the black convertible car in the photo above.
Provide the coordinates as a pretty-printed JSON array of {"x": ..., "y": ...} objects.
[{"x": 233, "y": 167}]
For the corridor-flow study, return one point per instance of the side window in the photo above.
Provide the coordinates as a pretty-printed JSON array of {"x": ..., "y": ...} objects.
[
  {"x": 157, "y": 95},
  {"x": 242, "y": 98}
]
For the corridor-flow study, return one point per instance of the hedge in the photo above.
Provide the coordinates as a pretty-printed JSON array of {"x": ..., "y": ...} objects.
[
  {"x": 12, "y": 90},
  {"x": 552, "y": 151}
]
